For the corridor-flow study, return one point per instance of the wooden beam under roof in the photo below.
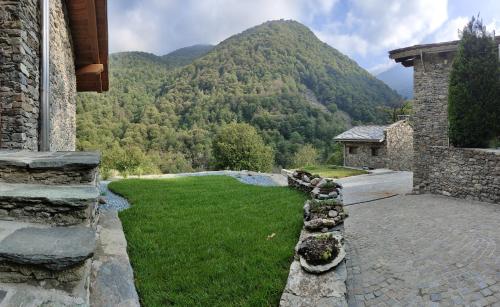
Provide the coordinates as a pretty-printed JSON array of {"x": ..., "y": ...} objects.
[
  {"x": 89, "y": 30},
  {"x": 91, "y": 69}
]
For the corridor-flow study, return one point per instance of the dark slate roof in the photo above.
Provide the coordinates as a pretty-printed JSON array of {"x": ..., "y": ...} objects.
[{"x": 363, "y": 134}]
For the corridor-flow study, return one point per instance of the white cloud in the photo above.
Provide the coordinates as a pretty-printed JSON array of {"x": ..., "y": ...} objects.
[
  {"x": 376, "y": 26},
  {"x": 380, "y": 68},
  {"x": 450, "y": 30},
  {"x": 163, "y": 25}
]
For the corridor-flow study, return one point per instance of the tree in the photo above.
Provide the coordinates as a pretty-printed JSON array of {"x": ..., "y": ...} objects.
[
  {"x": 307, "y": 155},
  {"x": 402, "y": 108},
  {"x": 473, "y": 100},
  {"x": 238, "y": 147}
]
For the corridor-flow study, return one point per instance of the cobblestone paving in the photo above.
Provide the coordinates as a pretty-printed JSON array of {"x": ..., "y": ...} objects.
[{"x": 423, "y": 250}]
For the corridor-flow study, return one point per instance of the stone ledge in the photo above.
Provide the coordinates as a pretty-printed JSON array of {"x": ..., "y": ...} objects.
[
  {"x": 112, "y": 282},
  {"x": 49, "y": 160},
  {"x": 305, "y": 289},
  {"x": 66, "y": 193},
  {"x": 54, "y": 249},
  {"x": 57, "y": 205}
]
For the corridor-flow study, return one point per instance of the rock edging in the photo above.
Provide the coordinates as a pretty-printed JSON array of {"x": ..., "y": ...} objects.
[{"x": 327, "y": 286}]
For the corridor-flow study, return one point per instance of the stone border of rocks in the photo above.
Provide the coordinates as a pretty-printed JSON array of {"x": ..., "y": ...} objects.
[{"x": 327, "y": 288}]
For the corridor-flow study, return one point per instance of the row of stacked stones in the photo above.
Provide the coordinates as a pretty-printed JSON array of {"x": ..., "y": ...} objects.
[{"x": 318, "y": 273}]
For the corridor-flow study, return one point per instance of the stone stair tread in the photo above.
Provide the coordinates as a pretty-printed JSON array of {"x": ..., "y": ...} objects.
[
  {"x": 54, "y": 248},
  {"x": 49, "y": 160},
  {"x": 51, "y": 192}
]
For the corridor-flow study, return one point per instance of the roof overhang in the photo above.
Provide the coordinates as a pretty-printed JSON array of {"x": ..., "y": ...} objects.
[
  {"x": 89, "y": 29},
  {"x": 359, "y": 140},
  {"x": 407, "y": 55}
]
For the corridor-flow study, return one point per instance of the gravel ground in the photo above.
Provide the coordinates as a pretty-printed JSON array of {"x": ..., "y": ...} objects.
[
  {"x": 113, "y": 201},
  {"x": 116, "y": 202}
]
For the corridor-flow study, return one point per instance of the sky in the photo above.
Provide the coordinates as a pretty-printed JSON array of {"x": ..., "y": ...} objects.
[{"x": 365, "y": 30}]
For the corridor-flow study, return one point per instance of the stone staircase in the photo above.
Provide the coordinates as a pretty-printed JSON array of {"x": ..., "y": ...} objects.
[{"x": 48, "y": 217}]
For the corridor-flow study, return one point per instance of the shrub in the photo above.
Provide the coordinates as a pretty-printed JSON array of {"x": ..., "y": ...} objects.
[
  {"x": 307, "y": 155},
  {"x": 239, "y": 147},
  {"x": 473, "y": 102}
]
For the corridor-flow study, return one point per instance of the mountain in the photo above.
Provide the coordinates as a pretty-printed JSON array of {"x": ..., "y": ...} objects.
[
  {"x": 186, "y": 55},
  {"x": 278, "y": 76},
  {"x": 400, "y": 79}
]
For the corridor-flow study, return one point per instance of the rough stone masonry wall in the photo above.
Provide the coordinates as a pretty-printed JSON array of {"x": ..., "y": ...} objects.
[
  {"x": 464, "y": 173},
  {"x": 430, "y": 119},
  {"x": 19, "y": 74},
  {"x": 62, "y": 80},
  {"x": 399, "y": 140},
  {"x": 364, "y": 157},
  {"x": 20, "y": 35}
]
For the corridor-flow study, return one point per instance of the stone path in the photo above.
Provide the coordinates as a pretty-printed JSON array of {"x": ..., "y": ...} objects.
[
  {"x": 380, "y": 184},
  {"x": 423, "y": 250}
]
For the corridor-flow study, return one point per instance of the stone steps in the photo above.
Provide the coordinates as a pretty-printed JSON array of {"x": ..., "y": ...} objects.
[
  {"x": 49, "y": 168},
  {"x": 51, "y": 204},
  {"x": 48, "y": 217},
  {"x": 47, "y": 257}
]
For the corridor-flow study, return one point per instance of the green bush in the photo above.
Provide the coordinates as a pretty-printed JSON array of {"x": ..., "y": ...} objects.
[
  {"x": 473, "y": 103},
  {"x": 239, "y": 147},
  {"x": 307, "y": 155},
  {"x": 337, "y": 157}
]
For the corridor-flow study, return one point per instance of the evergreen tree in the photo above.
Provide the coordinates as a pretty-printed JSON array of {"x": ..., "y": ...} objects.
[{"x": 473, "y": 101}]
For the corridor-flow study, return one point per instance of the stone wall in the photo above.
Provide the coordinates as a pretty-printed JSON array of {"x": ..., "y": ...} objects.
[
  {"x": 430, "y": 119},
  {"x": 19, "y": 74},
  {"x": 62, "y": 81},
  {"x": 399, "y": 142},
  {"x": 463, "y": 172},
  {"x": 20, "y": 37},
  {"x": 363, "y": 156}
]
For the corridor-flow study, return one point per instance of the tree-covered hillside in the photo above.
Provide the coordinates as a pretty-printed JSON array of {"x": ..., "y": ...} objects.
[
  {"x": 186, "y": 55},
  {"x": 278, "y": 77}
]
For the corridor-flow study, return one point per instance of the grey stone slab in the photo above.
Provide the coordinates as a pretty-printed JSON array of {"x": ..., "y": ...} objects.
[
  {"x": 112, "y": 282},
  {"x": 3, "y": 294},
  {"x": 55, "y": 248},
  {"x": 49, "y": 192},
  {"x": 41, "y": 160}
]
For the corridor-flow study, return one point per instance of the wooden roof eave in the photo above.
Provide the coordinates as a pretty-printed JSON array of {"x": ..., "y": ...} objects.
[{"x": 88, "y": 23}]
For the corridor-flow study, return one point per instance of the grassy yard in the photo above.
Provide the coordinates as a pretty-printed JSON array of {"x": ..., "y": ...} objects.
[
  {"x": 208, "y": 241},
  {"x": 333, "y": 171}
]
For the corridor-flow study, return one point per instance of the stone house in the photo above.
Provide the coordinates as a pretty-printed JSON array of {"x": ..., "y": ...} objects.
[
  {"x": 50, "y": 250},
  {"x": 389, "y": 146},
  {"x": 439, "y": 167}
]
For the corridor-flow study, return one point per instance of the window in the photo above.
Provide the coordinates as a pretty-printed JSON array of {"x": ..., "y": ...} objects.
[
  {"x": 353, "y": 150},
  {"x": 375, "y": 151}
]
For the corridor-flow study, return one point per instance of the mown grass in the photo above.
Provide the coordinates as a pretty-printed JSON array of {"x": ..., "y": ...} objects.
[
  {"x": 333, "y": 171},
  {"x": 203, "y": 241}
]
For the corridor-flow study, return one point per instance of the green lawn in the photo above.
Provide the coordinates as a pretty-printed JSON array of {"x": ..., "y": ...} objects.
[
  {"x": 333, "y": 171},
  {"x": 203, "y": 241}
]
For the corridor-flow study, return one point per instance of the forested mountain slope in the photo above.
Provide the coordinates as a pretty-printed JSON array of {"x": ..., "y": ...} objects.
[{"x": 277, "y": 76}]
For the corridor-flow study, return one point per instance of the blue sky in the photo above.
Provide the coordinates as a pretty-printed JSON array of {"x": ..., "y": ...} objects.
[{"x": 365, "y": 30}]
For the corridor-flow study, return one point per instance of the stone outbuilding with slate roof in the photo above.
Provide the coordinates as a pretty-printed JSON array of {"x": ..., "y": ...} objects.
[{"x": 379, "y": 146}]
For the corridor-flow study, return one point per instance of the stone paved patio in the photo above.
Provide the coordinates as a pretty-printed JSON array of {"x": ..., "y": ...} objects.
[{"x": 423, "y": 250}]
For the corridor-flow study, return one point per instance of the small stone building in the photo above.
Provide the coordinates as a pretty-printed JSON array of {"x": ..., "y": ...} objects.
[
  {"x": 438, "y": 167},
  {"x": 389, "y": 146}
]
